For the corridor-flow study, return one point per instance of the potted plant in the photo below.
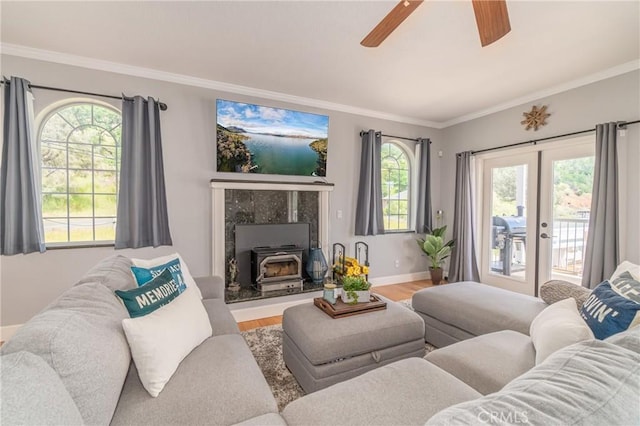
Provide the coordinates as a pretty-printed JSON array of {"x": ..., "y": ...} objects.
[
  {"x": 436, "y": 250},
  {"x": 355, "y": 289},
  {"x": 353, "y": 277}
]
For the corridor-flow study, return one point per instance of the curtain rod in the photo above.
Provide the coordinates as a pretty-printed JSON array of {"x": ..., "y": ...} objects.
[
  {"x": 621, "y": 125},
  {"x": 161, "y": 105},
  {"x": 362, "y": 132}
]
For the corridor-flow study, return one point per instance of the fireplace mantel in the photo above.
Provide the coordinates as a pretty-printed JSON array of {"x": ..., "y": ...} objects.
[{"x": 218, "y": 188}]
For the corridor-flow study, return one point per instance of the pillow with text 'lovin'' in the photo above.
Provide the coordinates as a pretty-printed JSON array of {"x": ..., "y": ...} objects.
[
  {"x": 151, "y": 296},
  {"x": 608, "y": 312},
  {"x": 180, "y": 270},
  {"x": 161, "y": 340}
]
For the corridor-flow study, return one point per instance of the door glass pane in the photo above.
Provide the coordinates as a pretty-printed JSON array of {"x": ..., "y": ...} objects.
[
  {"x": 508, "y": 221},
  {"x": 572, "y": 186}
]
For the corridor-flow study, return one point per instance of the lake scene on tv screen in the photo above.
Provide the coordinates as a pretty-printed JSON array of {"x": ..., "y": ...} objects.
[{"x": 259, "y": 139}]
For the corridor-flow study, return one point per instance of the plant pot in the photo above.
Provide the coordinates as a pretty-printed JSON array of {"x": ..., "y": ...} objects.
[
  {"x": 363, "y": 296},
  {"x": 436, "y": 275}
]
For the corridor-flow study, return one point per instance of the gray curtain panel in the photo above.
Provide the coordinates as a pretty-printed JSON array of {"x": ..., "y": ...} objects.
[
  {"x": 464, "y": 265},
  {"x": 21, "y": 228},
  {"x": 369, "y": 219},
  {"x": 142, "y": 204},
  {"x": 423, "y": 215},
  {"x": 602, "y": 251}
]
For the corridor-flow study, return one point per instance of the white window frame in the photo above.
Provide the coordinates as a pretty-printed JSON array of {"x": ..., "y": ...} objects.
[
  {"x": 41, "y": 121},
  {"x": 411, "y": 190}
]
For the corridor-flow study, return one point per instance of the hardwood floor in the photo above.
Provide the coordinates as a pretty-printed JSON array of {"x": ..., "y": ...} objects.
[{"x": 394, "y": 292}]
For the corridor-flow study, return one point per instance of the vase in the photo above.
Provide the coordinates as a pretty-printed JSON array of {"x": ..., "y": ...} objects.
[
  {"x": 362, "y": 296},
  {"x": 436, "y": 275},
  {"x": 317, "y": 265}
]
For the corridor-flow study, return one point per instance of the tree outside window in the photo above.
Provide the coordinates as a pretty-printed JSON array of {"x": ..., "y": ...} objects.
[{"x": 80, "y": 149}]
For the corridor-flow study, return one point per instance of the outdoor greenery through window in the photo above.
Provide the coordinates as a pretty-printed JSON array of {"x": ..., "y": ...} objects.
[
  {"x": 80, "y": 147},
  {"x": 395, "y": 187}
]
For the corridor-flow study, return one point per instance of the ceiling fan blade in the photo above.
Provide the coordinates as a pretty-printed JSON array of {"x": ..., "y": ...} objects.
[
  {"x": 390, "y": 22},
  {"x": 492, "y": 18}
]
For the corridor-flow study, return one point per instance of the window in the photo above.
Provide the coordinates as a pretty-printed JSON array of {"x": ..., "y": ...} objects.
[
  {"x": 395, "y": 175},
  {"x": 80, "y": 148}
]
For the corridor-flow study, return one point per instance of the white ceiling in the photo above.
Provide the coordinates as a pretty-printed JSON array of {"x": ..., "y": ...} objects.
[{"x": 430, "y": 70}]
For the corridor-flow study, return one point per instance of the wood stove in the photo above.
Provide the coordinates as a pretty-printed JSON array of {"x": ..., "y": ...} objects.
[{"x": 276, "y": 268}]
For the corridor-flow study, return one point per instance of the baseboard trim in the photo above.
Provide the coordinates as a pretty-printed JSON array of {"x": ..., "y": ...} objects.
[
  {"x": 248, "y": 313},
  {"x": 7, "y": 331},
  {"x": 395, "y": 279}
]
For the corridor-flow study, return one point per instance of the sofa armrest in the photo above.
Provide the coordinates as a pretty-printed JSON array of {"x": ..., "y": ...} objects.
[
  {"x": 211, "y": 287},
  {"x": 556, "y": 290}
]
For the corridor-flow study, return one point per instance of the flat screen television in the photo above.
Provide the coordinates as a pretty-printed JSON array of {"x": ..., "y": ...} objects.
[{"x": 257, "y": 139}]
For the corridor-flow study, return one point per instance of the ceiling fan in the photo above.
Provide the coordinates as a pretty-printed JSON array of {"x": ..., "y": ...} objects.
[{"x": 491, "y": 16}]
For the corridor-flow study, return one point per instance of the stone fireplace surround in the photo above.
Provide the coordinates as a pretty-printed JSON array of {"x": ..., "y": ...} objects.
[{"x": 233, "y": 201}]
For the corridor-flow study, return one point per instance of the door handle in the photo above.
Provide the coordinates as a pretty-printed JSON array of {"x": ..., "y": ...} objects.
[{"x": 544, "y": 235}]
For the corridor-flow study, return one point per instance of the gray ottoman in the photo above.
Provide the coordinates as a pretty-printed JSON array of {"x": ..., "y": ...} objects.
[
  {"x": 459, "y": 311},
  {"x": 321, "y": 351}
]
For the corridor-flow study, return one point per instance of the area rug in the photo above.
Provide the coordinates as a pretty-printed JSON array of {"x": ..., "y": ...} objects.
[{"x": 266, "y": 345}]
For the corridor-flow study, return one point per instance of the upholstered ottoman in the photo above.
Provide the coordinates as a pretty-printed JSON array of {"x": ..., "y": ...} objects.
[
  {"x": 321, "y": 351},
  {"x": 459, "y": 311}
]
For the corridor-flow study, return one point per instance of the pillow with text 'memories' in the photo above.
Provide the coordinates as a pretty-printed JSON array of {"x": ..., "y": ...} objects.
[
  {"x": 145, "y": 269},
  {"x": 156, "y": 293},
  {"x": 161, "y": 340},
  {"x": 611, "y": 307}
]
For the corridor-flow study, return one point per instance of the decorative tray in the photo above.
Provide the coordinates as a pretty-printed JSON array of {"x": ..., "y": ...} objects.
[{"x": 341, "y": 309}]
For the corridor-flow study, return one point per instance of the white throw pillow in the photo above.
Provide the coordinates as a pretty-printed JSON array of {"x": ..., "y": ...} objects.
[
  {"x": 633, "y": 269},
  {"x": 557, "y": 326},
  {"x": 150, "y": 263},
  {"x": 160, "y": 340}
]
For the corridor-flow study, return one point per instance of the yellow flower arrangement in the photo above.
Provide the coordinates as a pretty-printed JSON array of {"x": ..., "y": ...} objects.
[{"x": 350, "y": 267}]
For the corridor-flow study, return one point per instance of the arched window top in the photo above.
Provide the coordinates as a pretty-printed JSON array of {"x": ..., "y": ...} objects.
[
  {"x": 396, "y": 186},
  {"x": 80, "y": 149}
]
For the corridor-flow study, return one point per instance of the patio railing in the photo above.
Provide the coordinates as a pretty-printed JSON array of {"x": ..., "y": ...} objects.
[{"x": 569, "y": 242}]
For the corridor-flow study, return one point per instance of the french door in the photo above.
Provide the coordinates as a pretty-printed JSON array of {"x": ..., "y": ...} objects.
[{"x": 534, "y": 205}]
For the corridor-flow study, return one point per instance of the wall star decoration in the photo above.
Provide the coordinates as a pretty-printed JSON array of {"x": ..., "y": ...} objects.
[{"x": 535, "y": 118}]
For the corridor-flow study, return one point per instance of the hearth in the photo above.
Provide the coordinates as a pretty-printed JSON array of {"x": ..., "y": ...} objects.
[{"x": 277, "y": 268}]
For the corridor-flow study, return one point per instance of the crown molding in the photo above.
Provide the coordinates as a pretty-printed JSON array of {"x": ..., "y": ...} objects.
[
  {"x": 118, "y": 68},
  {"x": 574, "y": 84}
]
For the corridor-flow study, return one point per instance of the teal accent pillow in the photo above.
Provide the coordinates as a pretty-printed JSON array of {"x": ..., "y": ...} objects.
[
  {"x": 144, "y": 275},
  {"x": 154, "y": 294},
  {"x": 607, "y": 312}
]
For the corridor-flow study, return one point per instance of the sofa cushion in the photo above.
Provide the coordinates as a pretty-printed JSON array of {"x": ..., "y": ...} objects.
[
  {"x": 487, "y": 362},
  {"x": 405, "y": 392},
  {"x": 607, "y": 312},
  {"x": 626, "y": 266},
  {"x": 161, "y": 340},
  {"x": 558, "y": 326},
  {"x": 80, "y": 336},
  {"x": 144, "y": 275},
  {"x": 151, "y": 296},
  {"x": 114, "y": 272},
  {"x": 271, "y": 419},
  {"x": 556, "y": 290},
  {"x": 219, "y": 382},
  {"x": 162, "y": 261},
  {"x": 32, "y": 393},
  {"x": 589, "y": 383},
  {"x": 478, "y": 308}
]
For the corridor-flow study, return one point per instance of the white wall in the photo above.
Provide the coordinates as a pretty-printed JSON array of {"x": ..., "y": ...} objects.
[
  {"x": 30, "y": 282},
  {"x": 614, "y": 99}
]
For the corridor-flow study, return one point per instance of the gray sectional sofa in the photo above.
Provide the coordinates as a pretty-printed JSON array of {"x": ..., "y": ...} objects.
[{"x": 70, "y": 364}]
